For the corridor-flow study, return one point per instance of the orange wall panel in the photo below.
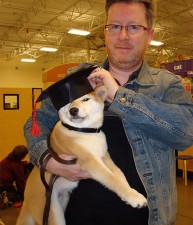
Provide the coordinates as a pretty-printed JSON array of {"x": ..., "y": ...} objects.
[{"x": 57, "y": 73}]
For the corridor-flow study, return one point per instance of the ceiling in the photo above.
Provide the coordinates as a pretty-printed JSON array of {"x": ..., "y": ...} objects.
[{"x": 27, "y": 25}]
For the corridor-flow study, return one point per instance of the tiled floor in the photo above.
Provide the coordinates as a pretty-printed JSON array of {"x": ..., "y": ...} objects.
[{"x": 185, "y": 206}]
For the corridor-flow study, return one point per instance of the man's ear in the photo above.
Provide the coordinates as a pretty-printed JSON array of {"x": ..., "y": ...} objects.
[{"x": 150, "y": 35}]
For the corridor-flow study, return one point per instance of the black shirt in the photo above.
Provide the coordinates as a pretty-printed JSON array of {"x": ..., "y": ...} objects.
[{"x": 93, "y": 204}]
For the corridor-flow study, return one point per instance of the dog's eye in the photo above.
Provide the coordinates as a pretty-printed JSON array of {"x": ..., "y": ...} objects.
[{"x": 85, "y": 99}]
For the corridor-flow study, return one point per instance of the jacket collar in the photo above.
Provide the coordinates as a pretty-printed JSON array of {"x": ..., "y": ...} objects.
[
  {"x": 145, "y": 77},
  {"x": 141, "y": 76}
]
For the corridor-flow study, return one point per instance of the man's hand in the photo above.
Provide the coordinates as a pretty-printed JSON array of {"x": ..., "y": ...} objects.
[
  {"x": 70, "y": 172},
  {"x": 101, "y": 76}
]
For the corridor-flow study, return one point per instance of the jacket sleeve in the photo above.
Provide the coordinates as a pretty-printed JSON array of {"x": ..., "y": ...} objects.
[
  {"x": 165, "y": 115},
  {"x": 46, "y": 118}
]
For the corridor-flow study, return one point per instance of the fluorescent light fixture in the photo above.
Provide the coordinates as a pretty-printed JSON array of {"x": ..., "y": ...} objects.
[
  {"x": 156, "y": 43},
  {"x": 48, "y": 49},
  {"x": 78, "y": 32},
  {"x": 28, "y": 60}
]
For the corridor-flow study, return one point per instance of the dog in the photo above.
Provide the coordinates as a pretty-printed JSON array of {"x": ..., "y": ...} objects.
[{"x": 91, "y": 152}]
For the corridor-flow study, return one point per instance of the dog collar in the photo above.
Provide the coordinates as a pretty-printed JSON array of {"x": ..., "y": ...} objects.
[{"x": 85, "y": 130}]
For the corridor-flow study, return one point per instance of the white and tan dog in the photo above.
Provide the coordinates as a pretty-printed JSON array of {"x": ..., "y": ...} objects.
[{"x": 92, "y": 156}]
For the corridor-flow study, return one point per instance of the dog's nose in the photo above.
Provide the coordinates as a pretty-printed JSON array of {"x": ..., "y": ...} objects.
[{"x": 74, "y": 111}]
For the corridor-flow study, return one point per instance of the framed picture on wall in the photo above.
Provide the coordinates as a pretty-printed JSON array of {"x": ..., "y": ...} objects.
[{"x": 10, "y": 101}]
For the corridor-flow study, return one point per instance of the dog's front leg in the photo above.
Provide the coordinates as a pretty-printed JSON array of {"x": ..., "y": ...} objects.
[
  {"x": 108, "y": 174},
  {"x": 121, "y": 186}
]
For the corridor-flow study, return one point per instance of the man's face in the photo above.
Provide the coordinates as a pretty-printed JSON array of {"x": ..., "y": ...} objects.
[{"x": 126, "y": 51}]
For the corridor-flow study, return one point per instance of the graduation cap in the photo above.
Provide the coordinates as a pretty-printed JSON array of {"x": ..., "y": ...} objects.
[{"x": 73, "y": 86}]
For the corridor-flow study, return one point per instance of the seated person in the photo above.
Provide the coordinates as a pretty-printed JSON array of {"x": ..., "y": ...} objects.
[{"x": 14, "y": 172}]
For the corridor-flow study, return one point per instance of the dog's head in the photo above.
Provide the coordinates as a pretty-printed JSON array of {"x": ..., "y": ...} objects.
[{"x": 86, "y": 111}]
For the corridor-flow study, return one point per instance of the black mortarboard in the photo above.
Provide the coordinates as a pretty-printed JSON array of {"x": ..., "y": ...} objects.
[{"x": 73, "y": 86}]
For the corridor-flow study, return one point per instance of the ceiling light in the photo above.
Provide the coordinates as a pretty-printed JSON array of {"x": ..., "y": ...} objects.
[
  {"x": 48, "y": 49},
  {"x": 28, "y": 60},
  {"x": 78, "y": 32},
  {"x": 156, "y": 43}
]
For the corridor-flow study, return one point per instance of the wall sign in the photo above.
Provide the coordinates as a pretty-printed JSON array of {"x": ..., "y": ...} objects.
[{"x": 183, "y": 68}]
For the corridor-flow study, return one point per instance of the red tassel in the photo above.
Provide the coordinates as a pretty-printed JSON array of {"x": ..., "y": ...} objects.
[{"x": 35, "y": 130}]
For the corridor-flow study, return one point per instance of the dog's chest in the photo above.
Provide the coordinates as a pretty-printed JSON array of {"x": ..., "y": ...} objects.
[{"x": 95, "y": 143}]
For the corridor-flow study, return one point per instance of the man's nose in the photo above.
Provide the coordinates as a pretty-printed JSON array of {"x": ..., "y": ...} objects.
[{"x": 124, "y": 33}]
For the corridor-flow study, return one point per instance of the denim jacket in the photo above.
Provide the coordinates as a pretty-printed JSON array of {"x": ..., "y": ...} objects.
[{"x": 157, "y": 116}]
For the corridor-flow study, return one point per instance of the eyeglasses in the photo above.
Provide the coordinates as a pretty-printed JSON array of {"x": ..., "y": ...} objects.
[{"x": 115, "y": 29}]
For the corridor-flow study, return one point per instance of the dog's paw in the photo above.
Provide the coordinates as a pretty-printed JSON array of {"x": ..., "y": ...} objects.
[{"x": 136, "y": 200}]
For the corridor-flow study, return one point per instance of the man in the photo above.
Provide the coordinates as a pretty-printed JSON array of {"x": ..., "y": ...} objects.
[{"x": 148, "y": 116}]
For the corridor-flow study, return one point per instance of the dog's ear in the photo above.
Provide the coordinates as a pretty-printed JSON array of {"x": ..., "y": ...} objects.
[{"x": 101, "y": 92}]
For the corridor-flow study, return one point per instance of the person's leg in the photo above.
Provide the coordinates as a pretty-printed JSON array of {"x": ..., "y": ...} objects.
[{"x": 11, "y": 193}]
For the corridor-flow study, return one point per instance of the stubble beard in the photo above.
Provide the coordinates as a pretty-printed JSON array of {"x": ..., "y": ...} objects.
[{"x": 127, "y": 64}]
